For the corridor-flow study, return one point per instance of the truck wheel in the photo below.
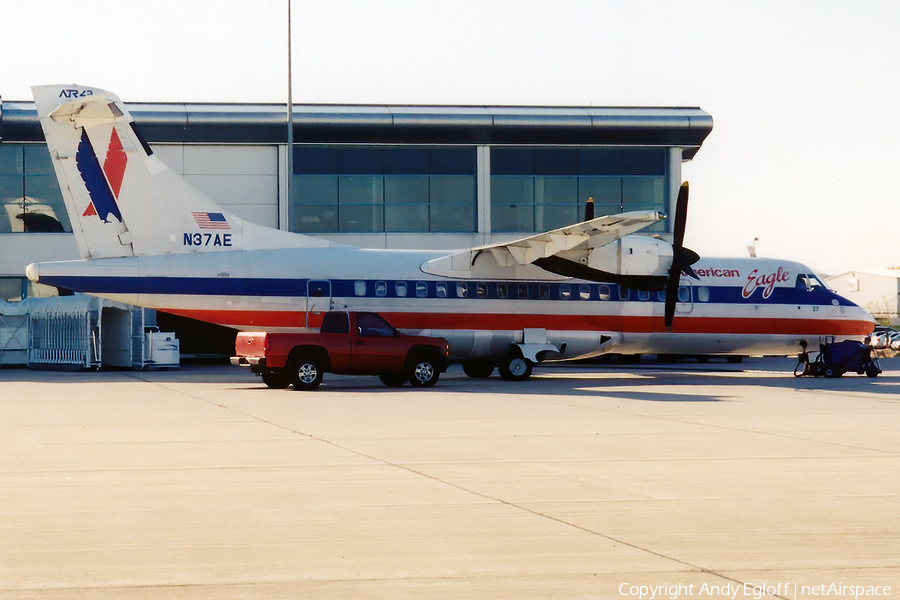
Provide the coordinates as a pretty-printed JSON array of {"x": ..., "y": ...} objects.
[
  {"x": 515, "y": 368},
  {"x": 277, "y": 380},
  {"x": 423, "y": 371},
  {"x": 393, "y": 379},
  {"x": 478, "y": 369},
  {"x": 306, "y": 372}
]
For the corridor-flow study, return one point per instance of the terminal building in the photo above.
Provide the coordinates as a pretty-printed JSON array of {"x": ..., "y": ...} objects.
[{"x": 441, "y": 177}]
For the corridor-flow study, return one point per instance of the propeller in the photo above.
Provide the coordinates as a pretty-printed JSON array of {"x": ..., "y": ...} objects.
[{"x": 682, "y": 258}]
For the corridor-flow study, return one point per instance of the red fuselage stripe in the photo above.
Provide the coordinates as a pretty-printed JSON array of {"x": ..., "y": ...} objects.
[{"x": 503, "y": 322}]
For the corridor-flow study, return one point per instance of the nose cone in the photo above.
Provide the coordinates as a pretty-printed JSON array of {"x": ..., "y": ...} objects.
[{"x": 33, "y": 272}]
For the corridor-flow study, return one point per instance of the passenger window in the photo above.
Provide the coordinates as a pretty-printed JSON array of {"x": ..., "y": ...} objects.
[
  {"x": 544, "y": 291},
  {"x": 703, "y": 294},
  {"x": 661, "y": 295},
  {"x": 603, "y": 292},
  {"x": 643, "y": 295},
  {"x": 442, "y": 290},
  {"x": 359, "y": 288},
  {"x": 684, "y": 294},
  {"x": 502, "y": 291},
  {"x": 523, "y": 292},
  {"x": 481, "y": 290},
  {"x": 421, "y": 290},
  {"x": 584, "y": 292},
  {"x": 624, "y": 293},
  {"x": 565, "y": 292},
  {"x": 462, "y": 290},
  {"x": 400, "y": 288},
  {"x": 380, "y": 289}
]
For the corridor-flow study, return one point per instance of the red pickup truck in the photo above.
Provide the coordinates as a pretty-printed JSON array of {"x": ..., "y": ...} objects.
[{"x": 348, "y": 343}]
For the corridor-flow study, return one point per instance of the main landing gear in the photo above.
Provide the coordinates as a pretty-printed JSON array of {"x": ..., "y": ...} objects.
[{"x": 512, "y": 367}]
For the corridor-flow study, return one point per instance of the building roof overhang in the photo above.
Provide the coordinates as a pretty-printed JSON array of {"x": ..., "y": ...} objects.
[{"x": 682, "y": 127}]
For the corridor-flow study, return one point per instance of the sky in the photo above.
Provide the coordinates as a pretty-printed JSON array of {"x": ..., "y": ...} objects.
[{"x": 804, "y": 94}]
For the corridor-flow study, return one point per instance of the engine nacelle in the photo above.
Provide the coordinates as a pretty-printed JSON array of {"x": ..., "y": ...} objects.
[{"x": 632, "y": 255}]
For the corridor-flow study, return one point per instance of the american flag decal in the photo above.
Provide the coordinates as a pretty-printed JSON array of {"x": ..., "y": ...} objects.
[{"x": 208, "y": 220}]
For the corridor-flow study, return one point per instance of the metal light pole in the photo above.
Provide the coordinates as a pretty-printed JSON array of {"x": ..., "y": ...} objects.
[{"x": 290, "y": 122}]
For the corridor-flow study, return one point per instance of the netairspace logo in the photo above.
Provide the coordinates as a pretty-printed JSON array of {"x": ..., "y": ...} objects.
[{"x": 755, "y": 591}]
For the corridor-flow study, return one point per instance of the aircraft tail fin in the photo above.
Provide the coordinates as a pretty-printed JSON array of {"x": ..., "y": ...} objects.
[{"x": 121, "y": 199}]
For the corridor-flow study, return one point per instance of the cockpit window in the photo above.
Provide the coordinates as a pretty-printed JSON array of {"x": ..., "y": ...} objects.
[{"x": 808, "y": 282}]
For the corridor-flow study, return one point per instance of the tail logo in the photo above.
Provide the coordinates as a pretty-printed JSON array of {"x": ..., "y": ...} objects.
[{"x": 103, "y": 184}]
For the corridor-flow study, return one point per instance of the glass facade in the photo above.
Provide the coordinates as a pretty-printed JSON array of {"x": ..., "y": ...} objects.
[
  {"x": 13, "y": 289},
  {"x": 538, "y": 189},
  {"x": 402, "y": 188},
  {"x": 383, "y": 189},
  {"x": 29, "y": 193}
]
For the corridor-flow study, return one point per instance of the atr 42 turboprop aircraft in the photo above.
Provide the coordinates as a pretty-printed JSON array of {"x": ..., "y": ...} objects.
[{"x": 148, "y": 238}]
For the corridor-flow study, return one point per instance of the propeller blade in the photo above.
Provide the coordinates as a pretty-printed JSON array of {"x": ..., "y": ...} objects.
[
  {"x": 678, "y": 255},
  {"x": 589, "y": 209}
]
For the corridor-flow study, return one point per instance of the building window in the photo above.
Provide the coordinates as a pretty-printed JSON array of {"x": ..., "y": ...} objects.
[
  {"x": 29, "y": 192},
  {"x": 539, "y": 189},
  {"x": 375, "y": 189}
]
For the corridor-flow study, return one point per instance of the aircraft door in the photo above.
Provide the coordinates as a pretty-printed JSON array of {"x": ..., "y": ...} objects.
[
  {"x": 318, "y": 302},
  {"x": 685, "y": 302}
]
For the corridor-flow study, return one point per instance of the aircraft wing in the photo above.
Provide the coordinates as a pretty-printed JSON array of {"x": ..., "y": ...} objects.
[
  {"x": 523, "y": 252},
  {"x": 598, "y": 232}
]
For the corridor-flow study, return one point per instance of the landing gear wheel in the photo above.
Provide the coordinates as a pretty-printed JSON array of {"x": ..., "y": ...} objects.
[
  {"x": 393, "y": 379},
  {"x": 423, "y": 371},
  {"x": 478, "y": 369},
  {"x": 515, "y": 368},
  {"x": 276, "y": 380},
  {"x": 734, "y": 360},
  {"x": 306, "y": 372},
  {"x": 872, "y": 371}
]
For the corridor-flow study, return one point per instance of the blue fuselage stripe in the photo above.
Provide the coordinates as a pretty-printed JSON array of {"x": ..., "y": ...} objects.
[{"x": 458, "y": 290}]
